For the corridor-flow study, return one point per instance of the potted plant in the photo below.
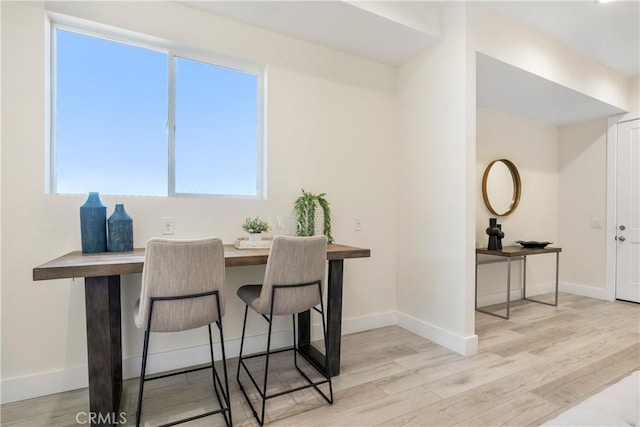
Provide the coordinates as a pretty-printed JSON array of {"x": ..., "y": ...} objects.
[
  {"x": 255, "y": 226},
  {"x": 313, "y": 215}
]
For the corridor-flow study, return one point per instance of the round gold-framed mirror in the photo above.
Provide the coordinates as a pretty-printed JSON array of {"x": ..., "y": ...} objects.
[{"x": 501, "y": 187}]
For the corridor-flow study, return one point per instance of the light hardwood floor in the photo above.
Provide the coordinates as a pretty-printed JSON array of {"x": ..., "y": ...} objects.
[{"x": 528, "y": 369}]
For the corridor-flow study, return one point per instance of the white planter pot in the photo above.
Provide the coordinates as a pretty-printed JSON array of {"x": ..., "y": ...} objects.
[{"x": 318, "y": 225}]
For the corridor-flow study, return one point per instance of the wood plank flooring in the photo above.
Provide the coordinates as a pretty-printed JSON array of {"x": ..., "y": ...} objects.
[{"x": 529, "y": 369}]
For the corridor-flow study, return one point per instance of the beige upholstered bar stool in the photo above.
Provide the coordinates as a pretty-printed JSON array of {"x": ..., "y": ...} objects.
[
  {"x": 292, "y": 284},
  {"x": 183, "y": 288}
]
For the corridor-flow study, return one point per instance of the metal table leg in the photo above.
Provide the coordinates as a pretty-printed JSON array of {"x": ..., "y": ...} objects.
[
  {"x": 524, "y": 277},
  {"x": 508, "y": 286},
  {"x": 508, "y": 289},
  {"x": 557, "y": 275},
  {"x": 555, "y": 303}
]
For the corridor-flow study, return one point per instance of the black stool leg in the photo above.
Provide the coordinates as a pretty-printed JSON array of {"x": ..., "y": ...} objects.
[
  {"x": 244, "y": 327},
  {"x": 295, "y": 344},
  {"x": 224, "y": 408},
  {"x": 326, "y": 351},
  {"x": 142, "y": 374},
  {"x": 226, "y": 395},
  {"x": 262, "y": 389},
  {"x": 241, "y": 364},
  {"x": 216, "y": 379},
  {"x": 266, "y": 369}
]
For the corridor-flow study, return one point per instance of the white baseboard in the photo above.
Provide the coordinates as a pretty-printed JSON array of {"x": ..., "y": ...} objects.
[
  {"x": 28, "y": 387},
  {"x": 532, "y": 290},
  {"x": 466, "y": 346},
  {"x": 498, "y": 298},
  {"x": 583, "y": 290},
  {"x": 359, "y": 324}
]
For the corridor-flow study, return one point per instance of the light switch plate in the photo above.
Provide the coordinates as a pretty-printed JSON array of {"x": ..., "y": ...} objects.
[
  {"x": 596, "y": 223},
  {"x": 168, "y": 225}
]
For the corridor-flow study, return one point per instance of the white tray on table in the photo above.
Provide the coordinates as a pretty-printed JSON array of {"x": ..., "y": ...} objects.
[{"x": 245, "y": 243}]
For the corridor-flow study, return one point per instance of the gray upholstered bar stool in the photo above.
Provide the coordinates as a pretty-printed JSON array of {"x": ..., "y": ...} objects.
[
  {"x": 292, "y": 284},
  {"x": 183, "y": 288}
]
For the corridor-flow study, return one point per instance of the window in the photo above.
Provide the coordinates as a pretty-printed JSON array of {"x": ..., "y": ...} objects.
[{"x": 134, "y": 119}]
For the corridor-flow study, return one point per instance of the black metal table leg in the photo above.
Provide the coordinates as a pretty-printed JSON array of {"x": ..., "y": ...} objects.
[{"x": 334, "y": 323}]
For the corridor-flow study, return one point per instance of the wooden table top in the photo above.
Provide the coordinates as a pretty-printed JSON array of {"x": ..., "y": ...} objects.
[
  {"x": 77, "y": 264},
  {"x": 514, "y": 251}
]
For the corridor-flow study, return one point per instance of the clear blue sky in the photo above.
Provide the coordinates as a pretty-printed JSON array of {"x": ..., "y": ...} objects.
[{"x": 111, "y": 111}]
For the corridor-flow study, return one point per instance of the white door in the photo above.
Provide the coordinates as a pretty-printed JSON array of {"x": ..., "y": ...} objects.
[{"x": 628, "y": 212}]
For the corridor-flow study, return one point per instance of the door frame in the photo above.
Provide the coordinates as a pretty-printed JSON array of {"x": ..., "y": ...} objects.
[{"x": 610, "y": 221}]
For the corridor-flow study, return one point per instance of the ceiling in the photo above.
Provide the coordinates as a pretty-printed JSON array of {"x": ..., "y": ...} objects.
[
  {"x": 503, "y": 87},
  {"x": 606, "y": 32},
  {"x": 358, "y": 28},
  {"x": 391, "y": 32}
]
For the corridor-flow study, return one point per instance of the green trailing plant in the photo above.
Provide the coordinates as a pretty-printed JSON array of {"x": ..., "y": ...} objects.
[
  {"x": 305, "y": 210},
  {"x": 255, "y": 225}
]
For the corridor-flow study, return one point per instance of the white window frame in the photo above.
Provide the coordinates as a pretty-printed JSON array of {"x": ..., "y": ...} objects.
[{"x": 172, "y": 50}]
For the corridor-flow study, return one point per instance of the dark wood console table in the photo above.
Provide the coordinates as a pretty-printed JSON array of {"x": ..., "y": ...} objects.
[
  {"x": 509, "y": 253},
  {"x": 101, "y": 273}
]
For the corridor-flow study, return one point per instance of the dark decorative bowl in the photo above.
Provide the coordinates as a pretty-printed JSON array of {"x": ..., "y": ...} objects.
[{"x": 533, "y": 244}]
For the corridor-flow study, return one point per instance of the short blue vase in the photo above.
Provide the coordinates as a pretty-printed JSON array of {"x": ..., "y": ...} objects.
[
  {"x": 93, "y": 225},
  {"x": 120, "y": 230}
]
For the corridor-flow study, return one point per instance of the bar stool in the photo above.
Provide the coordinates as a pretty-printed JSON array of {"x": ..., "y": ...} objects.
[
  {"x": 292, "y": 284},
  {"x": 183, "y": 288}
]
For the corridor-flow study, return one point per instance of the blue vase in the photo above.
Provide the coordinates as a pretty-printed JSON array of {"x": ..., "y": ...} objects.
[
  {"x": 120, "y": 230},
  {"x": 93, "y": 225}
]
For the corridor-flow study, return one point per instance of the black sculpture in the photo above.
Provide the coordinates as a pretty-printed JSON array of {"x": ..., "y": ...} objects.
[
  {"x": 495, "y": 235},
  {"x": 500, "y": 237}
]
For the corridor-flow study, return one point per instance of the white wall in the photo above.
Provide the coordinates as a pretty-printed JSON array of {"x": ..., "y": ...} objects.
[
  {"x": 331, "y": 128},
  {"x": 435, "y": 182},
  {"x": 533, "y": 148},
  {"x": 634, "y": 93},
  {"x": 582, "y": 197}
]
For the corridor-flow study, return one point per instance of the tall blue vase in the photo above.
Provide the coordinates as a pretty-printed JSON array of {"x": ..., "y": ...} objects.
[
  {"x": 120, "y": 230},
  {"x": 93, "y": 225}
]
